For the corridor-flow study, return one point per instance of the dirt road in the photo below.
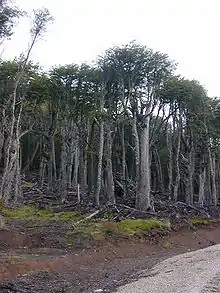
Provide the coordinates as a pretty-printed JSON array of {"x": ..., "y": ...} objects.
[{"x": 193, "y": 272}]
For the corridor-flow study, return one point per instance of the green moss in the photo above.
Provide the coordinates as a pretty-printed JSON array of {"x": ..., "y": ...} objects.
[
  {"x": 69, "y": 244},
  {"x": 94, "y": 229},
  {"x": 71, "y": 216},
  {"x": 200, "y": 221},
  {"x": 166, "y": 245},
  {"x": 109, "y": 216},
  {"x": 24, "y": 212},
  {"x": 43, "y": 215},
  {"x": 28, "y": 184},
  {"x": 129, "y": 227}
]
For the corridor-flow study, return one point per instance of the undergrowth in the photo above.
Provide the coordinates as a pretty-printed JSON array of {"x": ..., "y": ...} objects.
[
  {"x": 42, "y": 215},
  {"x": 129, "y": 227},
  {"x": 98, "y": 229},
  {"x": 201, "y": 220}
]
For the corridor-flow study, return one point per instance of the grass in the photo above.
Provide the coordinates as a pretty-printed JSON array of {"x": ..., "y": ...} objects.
[
  {"x": 128, "y": 227},
  {"x": 43, "y": 215},
  {"x": 28, "y": 184},
  {"x": 201, "y": 221},
  {"x": 166, "y": 245},
  {"x": 91, "y": 229}
]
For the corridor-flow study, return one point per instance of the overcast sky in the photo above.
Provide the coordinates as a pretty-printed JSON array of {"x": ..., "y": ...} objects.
[{"x": 187, "y": 30}]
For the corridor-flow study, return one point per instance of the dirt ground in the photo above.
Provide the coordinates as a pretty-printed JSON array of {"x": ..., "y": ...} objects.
[{"x": 33, "y": 259}]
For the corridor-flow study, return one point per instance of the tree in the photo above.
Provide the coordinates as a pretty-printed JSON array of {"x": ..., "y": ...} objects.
[
  {"x": 141, "y": 73},
  {"x": 8, "y": 17},
  {"x": 11, "y": 186}
]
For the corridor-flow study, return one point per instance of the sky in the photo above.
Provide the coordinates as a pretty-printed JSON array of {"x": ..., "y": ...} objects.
[{"x": 187, "y": 30}]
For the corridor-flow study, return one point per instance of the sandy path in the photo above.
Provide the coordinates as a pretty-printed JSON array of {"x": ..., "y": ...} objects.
[{"x": 193, "y": 272}]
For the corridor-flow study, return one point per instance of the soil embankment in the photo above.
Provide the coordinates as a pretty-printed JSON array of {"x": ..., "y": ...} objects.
[{"x": 31, "y": 264}]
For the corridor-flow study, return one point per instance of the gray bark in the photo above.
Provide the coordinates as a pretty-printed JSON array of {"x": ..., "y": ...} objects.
[
  {"x": 170, "y": 163},
  {"x": 143, "y": 195},
  {"x": 110, "y": 188},
  {"x": 177, "y": 179},
  {"x": 189, "y": 178},
  {"x": 213, "y": 176},
  {"x": 202, "y": 177},
  {"x": 123, "y": 162},
  {"x": 137, "y": 148},
  {"x": 100, "y": 155},
  {"x": 76, "y": 163}
]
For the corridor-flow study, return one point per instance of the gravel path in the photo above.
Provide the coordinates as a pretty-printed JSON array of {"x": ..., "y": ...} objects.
[{"x": 192, "y": 272}]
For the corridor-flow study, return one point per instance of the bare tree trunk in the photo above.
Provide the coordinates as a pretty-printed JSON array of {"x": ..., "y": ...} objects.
[
  {"x": 143, "y": 196},
  {"x": 159, "y": 170},
  {"x": 177, "y": 180},
  {"x": 76, "y": 163},
  {"x": 202, "y": 177},
  {"x": 50, "y": 164},
  {"x": 189, "y": 179},
  {"x": 110, "y": 188},
  {"x": 91, "y": 173},
  {"x": 82, "y": 169},
  {"x": 70, "y": 162},
  {"x": 213, "y": 176},
  {"x": 10, "y": 191},
  {"x": 170, "y": 163},
  {"x": 54, "y": 160},
  {"x": 123, "y": 162},
  {"x": 137, "y": 148},
  {"x": 84, "y": 158},
  {"x": 64, "y": 162},
  {"x": 2, "y": 132},
  {"x": 99, "y": 168}
]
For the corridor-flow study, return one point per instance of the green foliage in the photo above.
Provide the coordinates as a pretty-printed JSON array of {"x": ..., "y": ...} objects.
[{"x": 8, "y": 16}]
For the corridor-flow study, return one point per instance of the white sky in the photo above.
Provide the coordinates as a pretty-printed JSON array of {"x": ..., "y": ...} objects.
[{"x": 187, "y": 30}]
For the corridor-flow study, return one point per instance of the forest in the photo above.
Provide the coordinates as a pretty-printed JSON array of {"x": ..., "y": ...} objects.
[
  {"x": 122, "y": 129},
  {"x": 107, "y": 170}
]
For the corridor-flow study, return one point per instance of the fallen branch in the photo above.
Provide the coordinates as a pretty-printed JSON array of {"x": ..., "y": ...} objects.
[
  {"x": 136, "y": 210},
  {"x": 193, "y": 208},
  {"x": 87, "y": 218}
]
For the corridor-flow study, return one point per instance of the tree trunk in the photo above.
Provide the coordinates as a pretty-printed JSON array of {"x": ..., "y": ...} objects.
[
  {"x": 189, "y": 178},
  {"x": 143, "y": 196},
  {"x": 110, "y": 188},
  {"x": 11, "y": 185},
  {"x": 170, "y": 163},
  {"x": 202, "y": 177},
  {"x": 76, "y": 164},
  {"x": 99, "y": 168},
  {"x": 50, "y": 164},
  {"x": 123, "y": 162},
  {"x": 54, "y": 160},
  {"x": 159, "y": 173},
  {"x": 177, "y": 180},
  {"x": 2, "y": 132},
  {"x": 82, "y": 169},
  {"x": 213, "y": 177},
  {"x": 137, "y": 149}
]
